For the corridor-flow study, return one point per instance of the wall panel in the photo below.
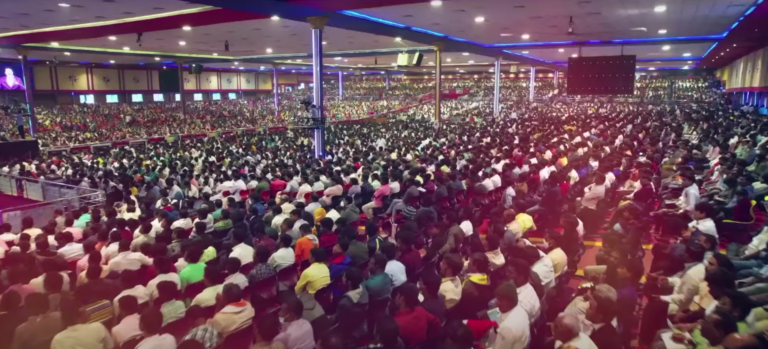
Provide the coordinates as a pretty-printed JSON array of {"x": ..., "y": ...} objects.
[{"x": 72, "y": 78}]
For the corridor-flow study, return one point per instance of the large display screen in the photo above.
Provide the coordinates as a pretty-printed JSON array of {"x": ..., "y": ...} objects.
[{"x": 12, "y": 78}]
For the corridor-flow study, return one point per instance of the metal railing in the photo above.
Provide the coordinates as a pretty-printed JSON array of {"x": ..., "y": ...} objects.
[{"x": 50, "y": 196}]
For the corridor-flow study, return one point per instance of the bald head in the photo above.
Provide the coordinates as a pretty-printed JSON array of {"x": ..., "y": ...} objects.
[{"x": 567, "y": 327}]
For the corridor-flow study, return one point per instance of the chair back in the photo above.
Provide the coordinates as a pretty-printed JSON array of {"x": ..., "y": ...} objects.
[
  {"x": 240, "y": 339},
  {"x": 287, "y": 277}
]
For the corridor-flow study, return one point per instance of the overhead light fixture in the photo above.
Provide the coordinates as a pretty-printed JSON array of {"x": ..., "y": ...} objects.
[
  {"x": 269, "y": 50},
  {"x": 111, "y": 61},
  {"x": 359, "y": 65},
  {"x": 525, "y": 52},
  {"x": 215, "y": 54},
  {"x": 275, "y": 17},
  {"x": 63, "y": 5},
  {"x": 113, "y": 38},
  {"x": 561, "y": 50},
  {"x": 236, "y": 63},
  {"x": 157, "y": 58},
  {"x": 393, "y": 64},
  {"x": 662, "y": 31},
  {"x": 242, "y": 68},
  {"x": 346, "y": 60},
  {"x": 505, "y": 34},
  {"x": 325, "y": 42},
  {"x": 182, "y": 43},
  {"x": 687, "y": 54},
  {"x": 665, "y": 47},
  {"x": 54, "y": 44},
  {"x": 431, "y": 63},
  {"x": 337, "y": 58},
  {"x": 465, "y": 53},
  {"x": 436, "y": 3},
  {"x": 398, "y": 39},
  {"x": 126, "y": 48},
  {"x": 651, "y": 68},
  {"x": 299, "y": 60},
  {"x": 447, "y": 59},
  {"x": 261, "y": 67},
  {"x": 574, "y": 55},
  {"x": 471, "y": 62},
  {"x": 67, "y": 53},
  {"x": 734, "y": 45},
  {"x": 689, "y": 62},
  {"x": 186, "y": 28},
  {"x": 660, "y": 8},
  {"x": 232, "y": 67},
  {"x": 525, "y": 36},
  {"x": 479, "y": 19},
  {"x": 685, "y": 67}
]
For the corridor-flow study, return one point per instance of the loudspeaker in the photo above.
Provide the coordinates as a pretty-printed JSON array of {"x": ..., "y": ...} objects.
[
  {"x": 601, "y": 75},
  {"x": 417, "y": 58},
  {"x": 403, "y": 59},
  {"x": 195, "y": 68}
]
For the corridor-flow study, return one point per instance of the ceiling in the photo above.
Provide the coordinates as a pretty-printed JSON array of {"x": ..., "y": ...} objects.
[{"x": 546, "y": 22}]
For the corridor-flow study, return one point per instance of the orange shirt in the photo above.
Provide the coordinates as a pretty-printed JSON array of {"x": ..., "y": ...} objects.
[{"x": 302, "y": 248}]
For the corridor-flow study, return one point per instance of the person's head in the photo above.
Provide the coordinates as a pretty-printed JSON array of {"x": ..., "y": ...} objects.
[
  {"x": 93, "y": 272},
  {"x": 703, "y": 210},
  {"x": 167, "y": 291},
  {"x": 408, "y": 296},
  {"x": 719, "y": 280},
  {"x": 128, "y": 305},
  {"x": 212, "y": 276},
  {"x": 285, "y": 240},
  {"x": 37, "y": 304},
  {"x": 353, "y": 278},
  {"x": 262, "y": 254},
  {"x": 341, "y": 247},
  {"x": 193, "y": 254},
  {"x": 478, "y": 263},
  {"x": 233, "y": 265},
  {"x": 602, "y": 304},
  {"x": 688, "y": 179},
  {"x": 566, "y": 328},
  {"x": 629, "y": 270},
  {"x": 53, "y": 282},
  {"x": 506, "y": 296},
  {"x": 124, "y": 246},
  {"x": 737, "y": 303},
  {"x": 195, "y": 315},
  {"x": 331, "y": 340},
  {"x": 518, "y": 270},
  {"x": 405, "y": 240},
  {"x": 305, "y": 229},
  {"x": 317, "y": 255},
  {"x": 231, "y": 293},
  {"x": 286, "y": 225},
  {"x": 451, "y": 265},
  {"x": 128, "y": 279},
  {"x": 70, "y": 312},
  {"x": 151, "y": 322},
  {"x": 291, "y": 309},
  {"x": 717, "y": 325}
]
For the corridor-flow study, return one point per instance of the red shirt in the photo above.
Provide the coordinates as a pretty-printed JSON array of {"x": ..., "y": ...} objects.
[
  {"x": 414, "y": 325},
  {"x": 412, "y": 262},
  {"x": 277, "y": 184}
]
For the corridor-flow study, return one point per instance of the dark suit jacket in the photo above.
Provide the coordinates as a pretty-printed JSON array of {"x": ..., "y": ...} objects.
[{"x": 607, "y": 338}]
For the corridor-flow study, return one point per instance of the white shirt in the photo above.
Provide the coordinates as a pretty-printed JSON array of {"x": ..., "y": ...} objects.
[
  {"x": 513, "y": 332},
  {"x": 592, "y": 195},
  {"x": 208, "y": 223},
  {"x": 242, "y": 252},
  {"x": 496, "y": 180},
  {"x": 706, "y": 226},
  {"x": 529, "y": 301},
  {"x": 126, "y": 329},
  {"x": 183, "y": 223},
  {"x": 128, "y": 261},
  {"x": 686, "y": 286},
  {"x": 238, "y": 279},
  {"x": 466, "y": 226},
  {"x": 109, "y": 252},
  {"x": 689, "y": 198},
  {"x": 158, "y": 341},
  {"x": 152, "y": 284},
  {"x": 546, "y": 271},
  {"x": 38, "y": 282},
  {"x": 72, "y": 251},
  {"x": 282, "y": 258},
  {"x": 278, "y": 220},
  {"x": 396, "y": 272},
  {"x": 582, "y": 341},
  {"x": 140, "y": 292}
]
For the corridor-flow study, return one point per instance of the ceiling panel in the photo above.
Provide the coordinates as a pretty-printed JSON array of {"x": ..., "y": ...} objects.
[
  {"x": 643, "y": 52},
  {"x": 18, "y": 15}
]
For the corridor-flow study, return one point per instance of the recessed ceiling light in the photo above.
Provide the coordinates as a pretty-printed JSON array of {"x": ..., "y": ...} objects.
[
  {"x": 689, "y": 62},
  {"x": 215, "y": 54},
  {"x": 660, "y": 8},
  {"x": 269, "y": 50},
  {"x": 359, "y": 65},
  {"x": 662, "y": 31},
  {"x": 505, "y": 34},
  {"x": 561, "y": 50},
  {"x": 111, "y": 61},
  {"x": 67, "y": 53},
  {"x": 665, "y": 47},
  {"x": 465, "y": 53},
  {"x": 346, "y": 60},
  {"x": 275, "y": 17},
  {"x": 126, "y": 48},
  {"x": 651, "y": 68},
  {"x": 54, "y": 44},
  {"x": 685, "y": 67},
  {"x": 471, "y": 62},
  {"x": 186, "y": 27},
  {"x": 574, "y": 55},
  {"x": 232, "y": 67},
  {"x": 398, "y": 39},
  {"x": 261, "y": 67},
  {"x": 236, "y": 63},
  {"x": 157, "y": 58},
  {"x": 436, "y": 3},
  {"x": 431, "y": 63},
  {"x": 241, "y": 68},
  {"x": 447, "y": 59},
  {"x": 479, "y": 19},
  {"x": 525, "y": 52},
  {"x": 525, "y": 36},
  {"x": 20, "y": 57},
  {"x": 113, "y": 38},
  {"x": 687, "y": 54},
  {"x": 63, "y": 5},
  {"x": 325, "y": 42},
  {"x": 522, "y": 69},
  {"x": 182, "y": 43},
  {"x": 393, "y": 64},
  {"x": 734, "y": 45},
  {"x": 337, "y": 58}
]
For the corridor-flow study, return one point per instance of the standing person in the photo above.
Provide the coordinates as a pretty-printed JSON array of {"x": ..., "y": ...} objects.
[
  {"x": 514, "y": 329},
  {"x": 78, "y": 333}
]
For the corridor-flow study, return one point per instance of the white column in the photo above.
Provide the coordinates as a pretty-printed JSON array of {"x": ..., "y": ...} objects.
[
  {"x": 532, "y": 87},
  {"x": 497, "y": 87}
]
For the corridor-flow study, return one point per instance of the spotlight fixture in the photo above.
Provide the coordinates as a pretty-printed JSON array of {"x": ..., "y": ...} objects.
[
  {"x": 236, "y": 63},
  {"x": 325, "y": 42},
  {"x": 54, "y": 44},
  {"x": 186, "y": 28},
  {"x": 447, "y": 59},
  {"x": 112, "y": 62},
  {"x": 275, "y": 17},
  {"x": 525, "y": 36},
  {"x": 436, "y": 3},
  {"x": 182, "y": 43},
  {"x": 662, "y": 31},
  {"x": 64, "y": 5},
  {"x": 665, "y": 47},
  {"x": 337, "y": 58},
  {"x": 113, "y": 38},
  {"x": 215, "y": 54},
  {"x": 687, "y": 54},
  {"x": 660, "y": 8},
  {"x": 525, "y": 52},
  {"x": 561, "y": 50},
  {"x": 465, "y": 53},
  {"x": 269, "y": 50},
  {"x": 126, "y": 48},
  {"x": 67, "y": 53},
  {"x": 479, "y": 19},
  {"x": 574, "y": 55},
  {"x": 157, "y": 58}
]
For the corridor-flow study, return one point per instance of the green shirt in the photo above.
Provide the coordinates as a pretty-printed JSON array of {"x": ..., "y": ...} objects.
[
  {"x": 192, "y": 273},
  {"x": 216, "y": 214},
  {"x": 223, "y": 225},
  {"x": 208, "y": 254},
  {"x": 82, "y": 221},
  {"x": 263, "y": 185}
]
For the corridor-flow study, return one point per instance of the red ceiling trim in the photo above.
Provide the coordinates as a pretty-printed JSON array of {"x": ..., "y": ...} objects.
[{"x": 747, "y": 89}]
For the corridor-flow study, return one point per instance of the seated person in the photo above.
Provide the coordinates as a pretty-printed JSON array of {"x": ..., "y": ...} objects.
[{"x": 236, "y": 313}]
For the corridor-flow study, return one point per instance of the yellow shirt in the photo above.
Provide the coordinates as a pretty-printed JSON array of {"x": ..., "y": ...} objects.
[
  {"x": 314, "y": 278},
  {"x": 559, "y": 259}
]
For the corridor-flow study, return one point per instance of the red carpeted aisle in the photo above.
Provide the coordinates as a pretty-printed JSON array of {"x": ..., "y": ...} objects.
[{"x": 7, "y": 201}]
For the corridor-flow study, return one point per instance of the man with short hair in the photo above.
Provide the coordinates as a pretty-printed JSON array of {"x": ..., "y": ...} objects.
[
  {"x": 296, "y": 332},
  {"x": 284, "y": 256},
  {"x": 316, "y": 276},
  {"x": 567, "y": 333},
  {"x": 236, "y": 314},
  {"x": 78, "y": 333},
  {"x": 450, "y": 286},
  {"x": 42, "y": 325},
  {"x": 151, "y": 323},
  {"x": 514, "y": 325},
  {"x": 241, "y": 250},
  {"x": 519, "y": 272},
  {"x": 128, "y": 260},
  {"x": 69, "y": 249},
  {"x": 128, "y": 328},
  {"x": 416, "y": 324}
]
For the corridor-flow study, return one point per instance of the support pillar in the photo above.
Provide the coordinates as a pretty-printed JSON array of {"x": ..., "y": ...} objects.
[
  {"x": 557, "y": 79},
  {"x": 317, "y": 24},
  {"x": 182, "y": 100},
  {"x": 438, "y": 80},
  {"x": 28, "y": 89},
  {"x": 497, "y": 87},
  {"x": 532, "y": 87},
  {"x": 341, "y": 85},
  {"x": 275, "y": 90}
]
